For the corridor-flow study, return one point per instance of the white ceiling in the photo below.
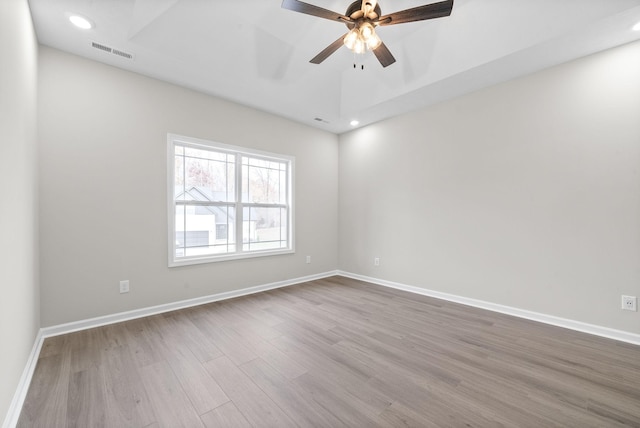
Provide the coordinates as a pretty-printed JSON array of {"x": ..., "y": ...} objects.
[{"x": 255, "y": 53}]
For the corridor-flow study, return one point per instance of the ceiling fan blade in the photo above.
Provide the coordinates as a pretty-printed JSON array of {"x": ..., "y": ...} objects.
[
  {"x": 384, "y": 55},
  {"x": 309, "y": 9},
  {"x": 420, "y": 13},
  {"x": 328, "y": 50}
]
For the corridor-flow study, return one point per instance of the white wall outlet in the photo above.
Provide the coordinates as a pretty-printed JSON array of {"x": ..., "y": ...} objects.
[
  {"x": 124, "y": 286},
  {"x": 376, "y": 261},
  {"x": 308, "y": 259},
  {"x": 630, "y": 303}
]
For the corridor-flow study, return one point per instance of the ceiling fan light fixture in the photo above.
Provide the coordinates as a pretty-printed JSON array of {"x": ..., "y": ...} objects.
[
  {"x": 351, "y": 38},
  {"x": 373, "y": 42},
  {"x": 361, "y": 38},
  {"x": 366, "y": 30}
]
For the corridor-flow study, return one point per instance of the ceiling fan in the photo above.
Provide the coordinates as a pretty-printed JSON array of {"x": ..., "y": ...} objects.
[{"x": 361, "y": 18}]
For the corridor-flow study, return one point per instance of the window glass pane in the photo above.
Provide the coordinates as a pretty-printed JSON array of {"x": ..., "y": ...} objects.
[
  {"x": 178, "y": 179},
  {"x": 263, "y": 181},
  {"x": 179, "y": 231},
  {"x": 204, "y": 230},
  {"x": 208, "y": 179},
  {"x": 264, "y": 228},
  {"x": 205, "y": 154},
  {"x": 283, "y": 186}
]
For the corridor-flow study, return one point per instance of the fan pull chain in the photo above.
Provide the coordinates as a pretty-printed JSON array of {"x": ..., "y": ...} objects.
[{"x": 355, "y": 65}]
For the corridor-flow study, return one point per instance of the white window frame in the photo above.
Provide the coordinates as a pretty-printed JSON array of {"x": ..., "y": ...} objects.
[{"x": 172, "y": 141}]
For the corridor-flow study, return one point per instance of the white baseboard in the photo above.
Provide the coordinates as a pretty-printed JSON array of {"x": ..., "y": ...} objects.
[
  {"x": 610, "y": 333},
  {"x": 168, "y": 307},
  {"x": 11, "y": 420}
]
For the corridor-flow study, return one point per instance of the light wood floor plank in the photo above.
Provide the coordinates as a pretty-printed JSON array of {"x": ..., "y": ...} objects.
[
  {"x": 127, "y": 402},
  {"x": 48, "y": 393},
  {"x": 281, "y": 362},
  {"x": 334, "y": 352},
  {"x": 170, "y": 403},
  {"x": 339, "y": 403},
  {"x": 86, "y": 405},
  {"x": 144, "y": 349},
  {"x": 254, "y": 404},
  {"x": 294, "y": 401},
  {"x": 226, "y": 415},
  {"x": 186, "y": 334},
  {"x": 204, "y": 392},
  {"x": 226, "y": 339}
]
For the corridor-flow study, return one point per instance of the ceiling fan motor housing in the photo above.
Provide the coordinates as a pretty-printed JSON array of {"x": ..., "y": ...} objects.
[{"x": 356, "y": 6}]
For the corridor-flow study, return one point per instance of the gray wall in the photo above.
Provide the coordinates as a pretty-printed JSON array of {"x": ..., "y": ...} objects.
[
  {"x": 526, "y": 194},
  {"x": 103, "y": 135},
  {"x": 19, "y": 305}
]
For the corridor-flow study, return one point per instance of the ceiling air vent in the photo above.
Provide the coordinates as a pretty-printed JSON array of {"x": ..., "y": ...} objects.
[
  {"x": 101, "y": 47},
  {"x": 111, "y": 50},
  {"x": 122, "y": 54}
]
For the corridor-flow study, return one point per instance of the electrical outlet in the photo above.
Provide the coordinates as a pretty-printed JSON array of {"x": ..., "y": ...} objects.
[
  {"x": 376, "y": 261},
  {"x": 308, "y": 259},
  {"x": 124, "y": 286},
  {"x": 630, "y": 303}
]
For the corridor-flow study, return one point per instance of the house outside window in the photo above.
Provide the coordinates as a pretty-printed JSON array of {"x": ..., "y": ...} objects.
[{"x": 227, "y": 202}]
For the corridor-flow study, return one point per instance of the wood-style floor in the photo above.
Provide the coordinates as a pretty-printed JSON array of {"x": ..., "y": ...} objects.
[{"x": 333, "y": 353}]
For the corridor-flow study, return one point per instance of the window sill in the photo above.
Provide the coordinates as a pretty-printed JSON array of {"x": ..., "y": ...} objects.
[{"x": 188, "y": 261}]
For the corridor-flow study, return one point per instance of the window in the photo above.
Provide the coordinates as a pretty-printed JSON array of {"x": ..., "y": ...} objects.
[{"x": 227, "y": 202}]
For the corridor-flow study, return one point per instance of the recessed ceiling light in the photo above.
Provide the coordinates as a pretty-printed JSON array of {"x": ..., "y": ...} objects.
[
  {"x": 636, "y": 27},
  {"x": 80, "y": 22},
  {"x": 354, "y": 123}
]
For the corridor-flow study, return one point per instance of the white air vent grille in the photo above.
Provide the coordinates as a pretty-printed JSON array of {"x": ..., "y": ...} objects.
[
  {"x": 101, "y": 47},
  {"x": 122, "y": 54},
  {"x": 111, "y": 50}
]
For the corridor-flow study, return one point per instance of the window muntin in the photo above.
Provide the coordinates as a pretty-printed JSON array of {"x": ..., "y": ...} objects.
[{"x": 222, "y": 195}]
